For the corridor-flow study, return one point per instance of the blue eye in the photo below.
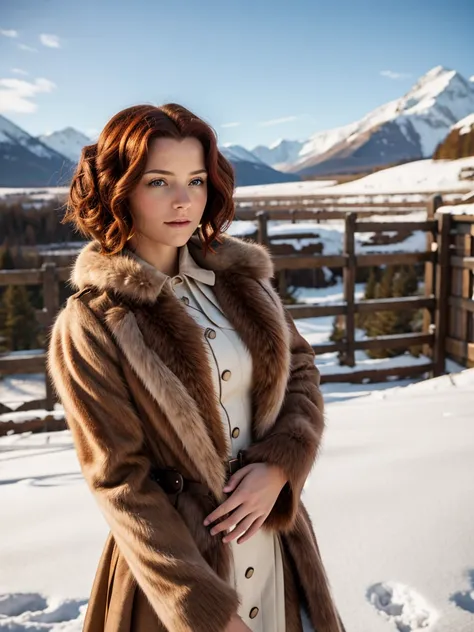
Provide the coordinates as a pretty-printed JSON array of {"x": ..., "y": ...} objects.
[{"x": 152, "y": 183}]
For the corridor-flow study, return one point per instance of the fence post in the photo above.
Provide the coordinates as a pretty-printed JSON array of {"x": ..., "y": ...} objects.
[
  {"x": 349, "y": 274},
  {"x": 51, "y": 305},
  {"x": 434, "y": 204},
  {"x": 262, "y": 234},
  {"x": 442, "y": 295}
]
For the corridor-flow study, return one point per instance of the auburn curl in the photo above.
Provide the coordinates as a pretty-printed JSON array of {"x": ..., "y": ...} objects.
[{"x": 110, "y": 169}]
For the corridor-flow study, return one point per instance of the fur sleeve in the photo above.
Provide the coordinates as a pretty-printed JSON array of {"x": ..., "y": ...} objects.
[
  {"x": 186, "y": 594},
  {"x": 294, "y": 440}
]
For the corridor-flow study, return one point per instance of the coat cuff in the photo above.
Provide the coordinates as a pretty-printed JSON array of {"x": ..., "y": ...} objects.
[{"x": 293, "y": 449}]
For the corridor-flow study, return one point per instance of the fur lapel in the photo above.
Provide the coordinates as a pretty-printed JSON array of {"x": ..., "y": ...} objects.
[
  {"x": 257, "y": 315},
  {"x": 143, "y": 284},
  {"x": 166, "y": 349}
]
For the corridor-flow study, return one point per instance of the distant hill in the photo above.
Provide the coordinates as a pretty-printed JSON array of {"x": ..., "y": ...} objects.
[{"x": 249, "y": 169}]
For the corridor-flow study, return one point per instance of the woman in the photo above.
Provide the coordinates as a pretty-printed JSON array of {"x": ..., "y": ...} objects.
[{"x": 192, "y": 399}]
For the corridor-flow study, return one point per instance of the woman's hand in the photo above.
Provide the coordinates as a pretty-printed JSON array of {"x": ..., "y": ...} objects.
[
  {"x": 237, "y": 625},
  {"x": 254, "y": 490}
]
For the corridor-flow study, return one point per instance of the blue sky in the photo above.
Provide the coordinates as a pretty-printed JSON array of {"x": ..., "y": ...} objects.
[{"x": 256, "y": 70}]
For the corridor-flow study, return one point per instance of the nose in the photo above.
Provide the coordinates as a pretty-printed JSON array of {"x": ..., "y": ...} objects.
[{"x": 182, "y": 200}]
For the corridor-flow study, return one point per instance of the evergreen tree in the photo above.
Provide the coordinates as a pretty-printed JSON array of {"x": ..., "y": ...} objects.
[
  {"x": 19, "y": 327},
  {"x": 371, "y": 286},
  {"x": 393, "y": 283}
]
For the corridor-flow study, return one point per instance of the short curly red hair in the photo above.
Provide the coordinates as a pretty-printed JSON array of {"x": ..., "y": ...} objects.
[{"x": 110, "y": 169}]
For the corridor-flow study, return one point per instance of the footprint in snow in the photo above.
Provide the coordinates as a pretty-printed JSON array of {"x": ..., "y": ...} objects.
[
  {"x": 402, "y": 606},
  {"x": 34, "y": 612},
  {"x": 465, "y": 599}
]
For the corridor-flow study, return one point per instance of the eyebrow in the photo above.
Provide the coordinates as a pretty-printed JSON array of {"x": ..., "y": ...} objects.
[{"x": 170, "y": 173}]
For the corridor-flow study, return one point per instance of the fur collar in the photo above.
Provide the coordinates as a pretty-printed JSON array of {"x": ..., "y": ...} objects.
[{"x": 125, "y": 275}]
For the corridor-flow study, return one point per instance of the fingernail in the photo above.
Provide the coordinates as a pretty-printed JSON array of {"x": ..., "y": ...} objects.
[{"x": 206, "y": 522}]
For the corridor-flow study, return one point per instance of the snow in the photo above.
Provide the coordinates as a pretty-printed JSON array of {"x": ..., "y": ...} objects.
[
  {"x": 307, "y": 187},
  {"x": 237, "y": 153},
  {"x": 418, "y": 177},
  {"x": 390, "y": 499},
  {"x": 68, "y": 142},
  {"x": 465, "y": 125},
  {"x": 11, "y": 134},
  {"x": 33, "y": 193},
  {"x": 458, "y": 209}
]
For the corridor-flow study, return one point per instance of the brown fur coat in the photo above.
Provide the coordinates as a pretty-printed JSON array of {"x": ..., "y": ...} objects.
[{"x": 130, "y": 367}]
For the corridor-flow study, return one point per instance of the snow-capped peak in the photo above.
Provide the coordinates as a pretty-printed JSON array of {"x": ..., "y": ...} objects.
[
  {"x": 11, "y": 134},
  {"x": 68, "y": 142},
  {"x": 237, "y": 153}
]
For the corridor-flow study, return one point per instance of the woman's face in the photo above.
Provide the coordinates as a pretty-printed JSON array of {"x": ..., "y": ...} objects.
[{"x": 168, "y": 202}]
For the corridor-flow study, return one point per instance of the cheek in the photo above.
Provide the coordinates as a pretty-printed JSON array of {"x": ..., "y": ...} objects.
[{"x": 147, "y": 202}]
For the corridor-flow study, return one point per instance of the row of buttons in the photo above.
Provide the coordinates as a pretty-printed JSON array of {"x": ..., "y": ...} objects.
[
  {"x": 248, "y": 574},
  {"x": 226, "y": 375}
]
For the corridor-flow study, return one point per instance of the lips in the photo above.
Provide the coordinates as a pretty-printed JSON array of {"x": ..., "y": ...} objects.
[{"x": 179, "y": 222}]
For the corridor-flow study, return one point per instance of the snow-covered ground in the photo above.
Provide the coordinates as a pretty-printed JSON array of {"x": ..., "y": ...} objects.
[
  {"x": 419, "y": 177},
  {"x": 390, "y": 499}
]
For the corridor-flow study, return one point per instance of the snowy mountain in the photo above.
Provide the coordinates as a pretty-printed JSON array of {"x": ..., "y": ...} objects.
[
  {"x": 409, "y": 128},
  {"x": 68, "y": 142},
  {"x": 250, "y": 170},
  {"x": 281, "y": 155},
  {"x": 26, "y": 161}
]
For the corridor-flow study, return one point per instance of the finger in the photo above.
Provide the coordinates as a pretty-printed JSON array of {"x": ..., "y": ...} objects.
[
  {"x": 236, "y": 478},
  {"x": 242, "y": 527},
  {"x": 234, "y": 518},
  {"x": 227, "y": 506},
  {"x": 253, "y": 530}
]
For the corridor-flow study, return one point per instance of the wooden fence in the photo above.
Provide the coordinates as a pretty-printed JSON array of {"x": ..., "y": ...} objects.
[{"x": 448, "y": 315}]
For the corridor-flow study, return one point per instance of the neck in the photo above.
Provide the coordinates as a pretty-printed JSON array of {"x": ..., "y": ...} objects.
[{"x": 163, "y": 257}]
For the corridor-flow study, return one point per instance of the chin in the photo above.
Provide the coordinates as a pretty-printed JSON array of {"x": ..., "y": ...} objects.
[{"x": 178, "y": 240}]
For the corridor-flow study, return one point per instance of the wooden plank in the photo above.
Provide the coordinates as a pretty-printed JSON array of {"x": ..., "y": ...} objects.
[
  {"x": 466, "y": 304},
  {"x": 393, "y": 259},
  {"x": 362, "y": 307},
  {"x": 31, "y": 276},
  {"x": 37, "y": 404},
  {"x": 377, "y": 375},
  {"x": 288, "y": 236},
  {"x": 379, "y": 227},
  {"x": 12, "y": 364},
  {"x": 395, "y": 304},
  {"x": 395, "y": 341},
  {"x": 262, "y": 234},
  {"x": 21, "y": 277},
  {"x": 298, "y": 262},
  {"x": 462, "y": 262},
  {"x": 442, "y": 279},
  {"x": 463, "y": 349},
  {"x": 329, "y": 347},
  {"x": 348, "y": 280},
  {"x": 316, "y": 311}
]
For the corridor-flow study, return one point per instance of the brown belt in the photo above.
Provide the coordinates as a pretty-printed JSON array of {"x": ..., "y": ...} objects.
[{"x": 173, "y": 482}]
